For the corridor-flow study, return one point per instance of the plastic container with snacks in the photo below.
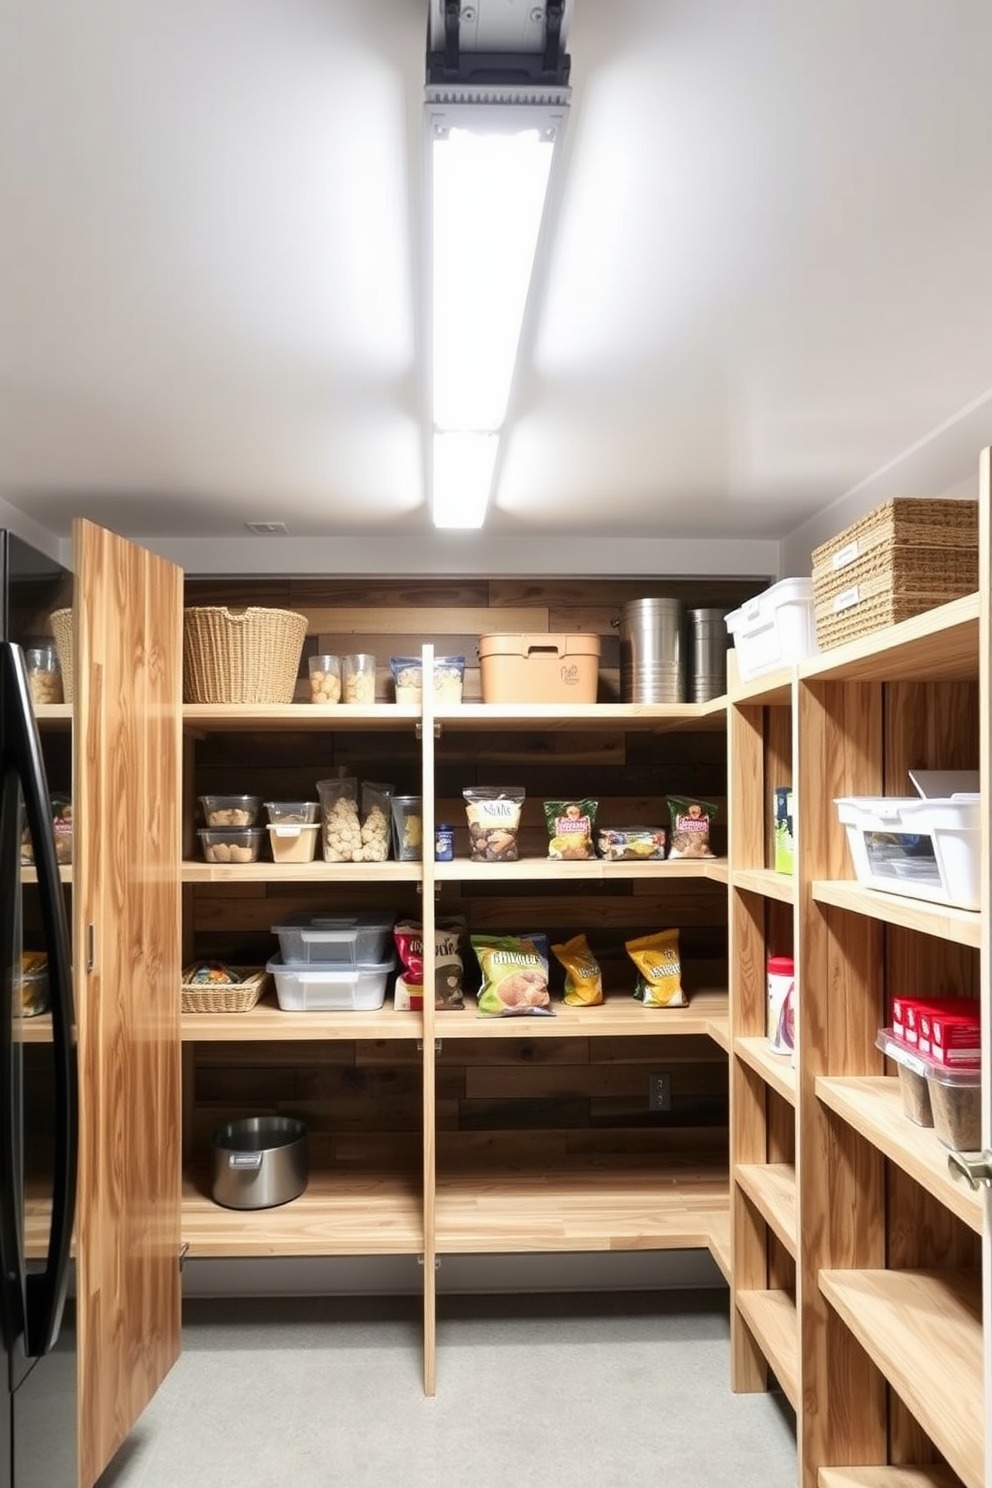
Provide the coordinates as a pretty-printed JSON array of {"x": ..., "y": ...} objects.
[
  {"x": 293, "y": 843},
  {"x": 407, "y": 672},
  {"x": 61, "y": 810},
  {"x": 325, "y": 679},
  {"x": 230, "y": 811},
  {"x": 408, "y": 828},
  {"x": 44, "y": 676},
  {"x": 231, "y": 844},
  {"x": 33, "y": 985},
  {"x": 358, "y": 679}
]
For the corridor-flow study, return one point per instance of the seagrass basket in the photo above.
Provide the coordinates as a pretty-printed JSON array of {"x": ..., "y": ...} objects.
[
  {"x": 216, "y": 997},
  {"x": 241, "y": 656},
  {"x": 61, "y": 622},
  {"x": 907, "y": 556}
]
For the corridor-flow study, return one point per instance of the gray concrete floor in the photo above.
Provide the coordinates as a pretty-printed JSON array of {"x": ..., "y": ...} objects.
[{"x": 613, "y": 1390}]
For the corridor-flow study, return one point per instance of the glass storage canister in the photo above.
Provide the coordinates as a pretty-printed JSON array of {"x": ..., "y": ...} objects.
[{"x": 44, "y": 677}]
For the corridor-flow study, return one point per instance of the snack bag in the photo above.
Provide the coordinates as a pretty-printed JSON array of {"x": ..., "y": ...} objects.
[
  {"x": 570, "y": 825},
  {"x": 493, "y": 813},
  {"x": 583, "y": 977},
  {"x": 514, "y": 975},
  {"x": 659, "y": 971},
  {"x": 449, "y": 968},
  {"x": 690, "y": 828}
]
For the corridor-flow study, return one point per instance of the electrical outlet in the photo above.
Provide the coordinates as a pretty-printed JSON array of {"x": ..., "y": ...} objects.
[{"x": 660, "y": 1091}]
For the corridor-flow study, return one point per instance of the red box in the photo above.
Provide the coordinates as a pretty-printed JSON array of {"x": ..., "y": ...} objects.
[
  {"x": 906, "y": 1012},
  {"x": 951, "y": 1039}
]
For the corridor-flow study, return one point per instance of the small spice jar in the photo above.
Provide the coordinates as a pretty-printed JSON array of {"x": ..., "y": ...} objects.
[
  {"x": 44, "y": 678},
  {"x": 444, "y": 844}
]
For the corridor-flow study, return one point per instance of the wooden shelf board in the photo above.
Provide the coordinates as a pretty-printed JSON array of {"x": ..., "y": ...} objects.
[
  {"x": 267, "y": 1023},
  {"x": 36, "y": 1030},
  {"x": 340, "y": 1213},
  {"x": 30, "y": 875},
  {"x": 938, "y": 646},
  {"x": 769, "y": 688},
  {"x": 771, "y": 1187},
  {"x": 930, "y": 1475},
  {"x": 923, "y": 1331},
  {"x": 599, "y": 869},
  {"x": 717, "y": 1027},
  {"x": 776, "y": 1069},
  {"x": 619, "y": 1016},
  {"x": 210, "y": 718},
  {"x": 720, "y": 1243},
  {"x": 318, "y": 872},
  {"x": 772, "y": 1319},
  {"x": 963, "y": 926},
  {"x": 872, "y": 1105},
  {"x": 649, "y": 1206},
  {"x": 54, "y": 715},
  {"x": 562, "y": 717},
  {"x": 766, "y": 881}
]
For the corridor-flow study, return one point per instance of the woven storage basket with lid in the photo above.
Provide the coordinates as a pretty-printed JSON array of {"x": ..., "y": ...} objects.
[
  {"x": 907, "y": 556},
  {"x": 241, "y": 656}
]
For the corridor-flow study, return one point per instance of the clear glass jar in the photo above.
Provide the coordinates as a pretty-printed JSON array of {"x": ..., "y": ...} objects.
[{"x": 44, "y": 678}]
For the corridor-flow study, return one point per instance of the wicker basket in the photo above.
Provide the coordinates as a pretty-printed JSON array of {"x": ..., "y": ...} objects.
[
  {"x": 905, "y": 557},
  {"x": 241, "y": 656},
  {"x": 61, "y": 621},
  {"x": 237, "y": 997}
]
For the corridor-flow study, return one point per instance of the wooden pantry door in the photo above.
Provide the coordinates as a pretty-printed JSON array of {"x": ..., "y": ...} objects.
[{"x": 127, "y": 616}]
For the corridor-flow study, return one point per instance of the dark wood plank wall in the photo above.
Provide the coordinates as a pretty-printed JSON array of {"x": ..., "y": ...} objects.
[{"x": 584, "y": 1097}]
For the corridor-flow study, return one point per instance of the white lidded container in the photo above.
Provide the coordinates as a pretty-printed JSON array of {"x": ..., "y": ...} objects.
[
  {"x": 323, "y": 940},
  {"x": 774, "y": 629},
  {"x": 925, "y": 849},
  {"x": 343, "y": 989}
]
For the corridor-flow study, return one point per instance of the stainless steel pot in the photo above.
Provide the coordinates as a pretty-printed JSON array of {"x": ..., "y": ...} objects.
[{"x": 259, "y": 1162}]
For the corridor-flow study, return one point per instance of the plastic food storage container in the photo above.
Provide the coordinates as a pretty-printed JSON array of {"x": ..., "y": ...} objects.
[
  {"x": 449, "y": 674},
  {"x": 358, "y": 678},
  {"x": 408, "y": 828},
  {"x": 292, "y": 813},
  {"x": 774, "y": 629},
  {"x": 325, "y": 679},
  {"x": 293, "y": 844},
  {"x": 956, "y": 1100},
  {"x": 333, "y": 940},
  {"x": 926, "y": 849},
  {"x": 302, "y": 989},
  {"x": 539, "y": 668},
  {"x": 230, "y": 845},
  {"x": 911, "y": 1069},
  {"x": 230, "y": 811},
  {"x": 33, "y": 985}
]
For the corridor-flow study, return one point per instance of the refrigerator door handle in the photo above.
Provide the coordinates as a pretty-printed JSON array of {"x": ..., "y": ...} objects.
[{"x": 45, "y": 1290}]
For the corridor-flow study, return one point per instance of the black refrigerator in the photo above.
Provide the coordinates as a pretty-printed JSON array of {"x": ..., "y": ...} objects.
[{"x": 38, "y": 1075}]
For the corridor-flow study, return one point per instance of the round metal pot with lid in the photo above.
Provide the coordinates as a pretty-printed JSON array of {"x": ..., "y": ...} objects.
[{"x": 259, "y": 1162}]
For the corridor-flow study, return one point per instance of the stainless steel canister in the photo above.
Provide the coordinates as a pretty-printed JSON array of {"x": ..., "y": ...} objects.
[
  {"x": 259, "y": 1161},
  {"x": 652, "y": 651},
  {"x": 708, "y": 639}
]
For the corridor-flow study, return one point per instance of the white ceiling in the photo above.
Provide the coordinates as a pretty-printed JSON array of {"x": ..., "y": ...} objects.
[{"x": 769, "y": 275}]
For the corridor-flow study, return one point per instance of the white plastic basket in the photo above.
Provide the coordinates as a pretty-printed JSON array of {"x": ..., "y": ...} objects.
[{"x": 925, "y": 849}]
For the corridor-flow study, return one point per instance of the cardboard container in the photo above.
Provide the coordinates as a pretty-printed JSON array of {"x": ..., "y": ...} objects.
[{"x": 540, "y": 668}]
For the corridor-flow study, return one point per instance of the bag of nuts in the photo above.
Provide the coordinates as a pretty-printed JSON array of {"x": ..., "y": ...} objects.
[
  {"x": 376, "y": 819},
  {"x": 493, "y": 813}
]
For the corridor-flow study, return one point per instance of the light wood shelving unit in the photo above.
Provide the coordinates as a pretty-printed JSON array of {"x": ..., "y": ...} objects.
[
  {"x": 461, "y": 1192},
  {"x": 857, "y": 1270}
]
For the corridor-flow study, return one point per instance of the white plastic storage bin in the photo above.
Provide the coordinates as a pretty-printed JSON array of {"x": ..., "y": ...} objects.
[
  {"x": 345, "y": 989},
  {"x": 926, "y": 849},
  {"x": 333, "y": 940},
  {"x": 775, "y": 628}
]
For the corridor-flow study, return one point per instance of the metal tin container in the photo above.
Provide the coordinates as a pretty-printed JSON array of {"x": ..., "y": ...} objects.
[
  {"x": 259, "y": 1162},
  {"x": 652, "y": 651},
  {"x": 708, "y": 641}
]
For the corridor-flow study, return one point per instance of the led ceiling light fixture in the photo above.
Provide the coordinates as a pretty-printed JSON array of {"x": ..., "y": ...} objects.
[{"x": 496, "y": 102}]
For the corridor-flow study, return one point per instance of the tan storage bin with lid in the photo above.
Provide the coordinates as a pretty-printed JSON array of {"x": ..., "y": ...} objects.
[{"x": 540, "y": 668}]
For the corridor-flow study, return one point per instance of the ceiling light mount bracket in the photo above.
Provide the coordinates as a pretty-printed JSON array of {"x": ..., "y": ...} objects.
[{"x": 482, "y": 44}]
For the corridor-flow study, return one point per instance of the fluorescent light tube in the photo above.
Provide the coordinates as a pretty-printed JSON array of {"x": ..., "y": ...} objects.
[
  {"x": 462, "y": 478},
  {"x": 489, "y": 180}
]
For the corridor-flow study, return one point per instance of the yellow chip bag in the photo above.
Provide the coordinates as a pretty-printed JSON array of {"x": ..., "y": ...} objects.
[
  {"x": 583, "y": 978},
  {"x": 659, "y": 971}
]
